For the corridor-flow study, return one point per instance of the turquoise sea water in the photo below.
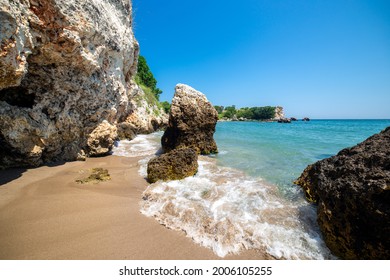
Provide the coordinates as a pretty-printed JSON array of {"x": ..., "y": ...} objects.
[
  {"x": 243, "y": 197},
  {"x": 279, "y": 153}
]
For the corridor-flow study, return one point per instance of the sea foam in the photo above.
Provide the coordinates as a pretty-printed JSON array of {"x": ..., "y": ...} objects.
[
  {"x": 142, "y": 145},
  {"x": 228, "y": 211}
]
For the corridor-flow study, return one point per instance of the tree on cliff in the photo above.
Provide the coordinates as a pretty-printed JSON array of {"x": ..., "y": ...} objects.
[
  {"x": 145, "y": 76},
  {"x": 219, "y": 109},
  {"x": 263, "y": 113},
  {"x": 229, "y": 111},
  {"x": 166, "y": 106},
  {"x": 246, "y": 113}
]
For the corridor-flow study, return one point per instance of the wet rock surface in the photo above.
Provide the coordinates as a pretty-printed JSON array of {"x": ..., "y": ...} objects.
[
  {"x": 352, "y": 190},
  {"x": 174, "y": 165}
]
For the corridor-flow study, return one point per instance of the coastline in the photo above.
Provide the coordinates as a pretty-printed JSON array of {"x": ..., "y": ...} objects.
[{"x": 45, "y": 214}]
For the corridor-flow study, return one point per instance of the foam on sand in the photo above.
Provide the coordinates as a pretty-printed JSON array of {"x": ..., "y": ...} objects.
[{"x": 226, "y": 210}]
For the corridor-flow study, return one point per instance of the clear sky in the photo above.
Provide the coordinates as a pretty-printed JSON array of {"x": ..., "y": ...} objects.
[{"x": 316, "y": 58}]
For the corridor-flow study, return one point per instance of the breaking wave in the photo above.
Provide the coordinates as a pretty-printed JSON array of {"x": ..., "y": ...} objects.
[{"x": 227, "y": 211}]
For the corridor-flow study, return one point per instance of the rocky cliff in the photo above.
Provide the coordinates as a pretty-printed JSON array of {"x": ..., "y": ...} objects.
[
  {"x": 352, "y": 190},
  {"x": 66, "y": 80}
]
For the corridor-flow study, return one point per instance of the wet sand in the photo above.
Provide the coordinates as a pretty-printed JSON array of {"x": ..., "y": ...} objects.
[{"x": 45, "y": 214}]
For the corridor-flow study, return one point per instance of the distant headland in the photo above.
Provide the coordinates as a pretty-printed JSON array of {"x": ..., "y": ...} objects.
[{"x": 265, "y": 114}]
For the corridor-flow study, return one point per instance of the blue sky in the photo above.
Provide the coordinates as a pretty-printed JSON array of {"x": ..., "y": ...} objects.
[{"x": 317, "y": 58}]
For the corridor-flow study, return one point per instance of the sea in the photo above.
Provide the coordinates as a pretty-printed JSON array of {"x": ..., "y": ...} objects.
[{"x": 244, "y": 197}]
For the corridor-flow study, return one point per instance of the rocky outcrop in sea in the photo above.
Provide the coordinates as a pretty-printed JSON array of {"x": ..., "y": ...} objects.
[
  {"x": 174, "y": 165},
  {"x": 352, "y": 190},
  {"x": 66, "y": 80},
  {"x": 192, "y": 121},
  {"x": 284, "y": 120}
]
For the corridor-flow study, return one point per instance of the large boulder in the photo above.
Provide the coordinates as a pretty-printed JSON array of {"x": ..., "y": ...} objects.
[
  {"x": 192, "y": 122},
  {"x": 174, "y": 165},
  {"x": 352, "y": 190}
]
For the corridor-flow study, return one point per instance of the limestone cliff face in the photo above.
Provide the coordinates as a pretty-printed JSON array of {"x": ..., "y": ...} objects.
[
  {"x": 66, "y": 80},
  {"x": 279, "y": 113}
]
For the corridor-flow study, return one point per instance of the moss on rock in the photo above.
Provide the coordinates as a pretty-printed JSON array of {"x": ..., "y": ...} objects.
[{"x": 97, "y": 175}]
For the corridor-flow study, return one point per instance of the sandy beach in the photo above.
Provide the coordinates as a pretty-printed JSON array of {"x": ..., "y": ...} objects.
[{"x": 46, "y": 214}]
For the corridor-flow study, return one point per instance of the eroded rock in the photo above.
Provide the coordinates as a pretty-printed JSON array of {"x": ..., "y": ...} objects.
[
  {"x": 352, "y": 190},
  {"x": 192, "y": 121},
  {"x": 101, "y": 139},
  {"x": 174, "y": 165},
  {"x": 66, "y": 67}
]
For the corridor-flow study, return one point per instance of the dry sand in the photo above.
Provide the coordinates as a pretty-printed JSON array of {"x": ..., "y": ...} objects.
[{"x": 45, "y": 214}]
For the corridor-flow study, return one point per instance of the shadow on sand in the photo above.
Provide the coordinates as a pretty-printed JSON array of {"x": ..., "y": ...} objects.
[{"x": 10, "y": 174}]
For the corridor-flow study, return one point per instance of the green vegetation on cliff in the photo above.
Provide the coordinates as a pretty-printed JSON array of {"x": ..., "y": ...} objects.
[
  {"x": 146, "y": 80},
  {"x": 145, "y": 77},
  {"x": 166, "y": 105},
  {"x": 250, "y": 113},
  {"x": 149, "y": 96}
]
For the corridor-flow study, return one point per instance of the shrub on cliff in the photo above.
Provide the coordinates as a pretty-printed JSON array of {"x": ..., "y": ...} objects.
[
  {"x": 166, "y": 106},
  {"x": 219, "y": 109},
  {"x": 229, "y": 112},
  {"x": 146, "y": 78},
  {"x": 246, "y": 113}
]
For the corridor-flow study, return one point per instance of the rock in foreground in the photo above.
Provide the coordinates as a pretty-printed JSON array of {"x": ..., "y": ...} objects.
[
  {"x": 174, "y": 165},
  {"x": 192, "y": 122},
  {"x": 352, "y": 190}
]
